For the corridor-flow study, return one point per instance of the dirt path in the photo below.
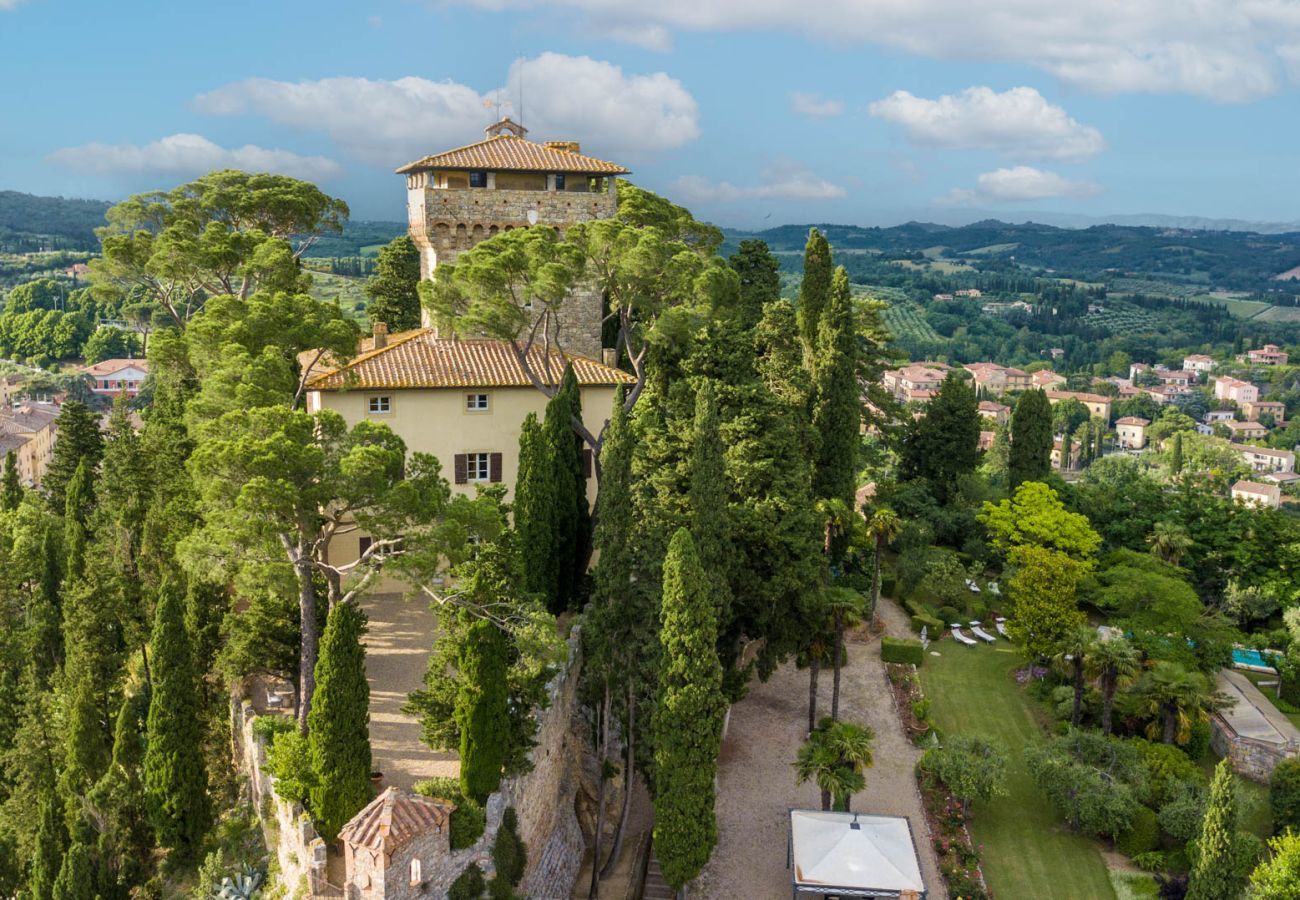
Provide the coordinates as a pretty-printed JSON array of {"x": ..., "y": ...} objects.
[
  {"x": 397, "y": 653},
  {"x": 756, "y": 783}
]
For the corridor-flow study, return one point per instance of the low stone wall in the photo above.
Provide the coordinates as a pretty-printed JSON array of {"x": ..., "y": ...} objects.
[
  {"x": 1249, "y": 757},
  {"x": 288, "y": 829}
]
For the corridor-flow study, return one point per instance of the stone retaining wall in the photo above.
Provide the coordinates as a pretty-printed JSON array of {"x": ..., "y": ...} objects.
[{"x": 1249, "y": 757}]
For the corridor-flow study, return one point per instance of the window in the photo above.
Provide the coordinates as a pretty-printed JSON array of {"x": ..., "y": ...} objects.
[
  {"x": 478, "y": 466},
  {"x": 415, "y": 872},
  {"x": 478, "y": 179},
  {"x": 363, "y": 544},
  {"x": 380, "y": 405},
  {"x": 559, "y": 182},
  {"x": 476, "y": 402}
]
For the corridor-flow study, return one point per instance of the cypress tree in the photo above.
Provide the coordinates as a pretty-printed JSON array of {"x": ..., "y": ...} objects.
[
  {"x": 1031, "y": 439},
  {"x": 760, "y": 281},
  {"x": 175, "y": 778},
  {"x": 50, "y": 847},
  {"x": 93, "y": 662},
  {"x": 126, "y": 837},
  {"x": 77, "y": 509},
  {"x": 338, "y": 725},
  {"x": 814, "y": 291},
  {"x": 482, "y": 711},
  {"x": 79, "y": 439},
  {"x": 11, "y": 493},
  {"x": 708, "y": 496},
  {"x": 1176, "y": 455},
  {"x": 573, "y": 525},
  {"x": 77, "y": 876},
  {"x": 688, "y": 717},
  {"x": 1215, "y": 875},
  {"x": 837, "y": 410},
  {"x": 46, "y": 631},
  {"x": 536, "y": 512},
  {"x": 394, "y": 298},
  {"x": 943, "y": 445}
]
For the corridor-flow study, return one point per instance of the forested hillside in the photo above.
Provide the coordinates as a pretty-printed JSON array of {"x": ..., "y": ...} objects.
[{"x": 29, "y": 223}]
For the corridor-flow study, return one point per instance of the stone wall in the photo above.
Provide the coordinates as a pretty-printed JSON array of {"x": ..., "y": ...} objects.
[
  {"x": 288, "y": 829},
  {"x": 1249, "y": 757}
]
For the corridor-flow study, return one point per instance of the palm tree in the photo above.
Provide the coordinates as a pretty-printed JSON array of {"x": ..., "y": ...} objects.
[
  {"x": 845, "y": 605},
  {"x": 837, "y": 517},
  {"x": 1074, "y": 648},
  {"x": 1169, "y": 541},
  {"x": 835, "y": 756},
  {"x": 1175, "y": 699},
  {"x": 1113, "y": 662},
  {"x": 883, "y": 527},
  {"x": 816, "y": 652}
]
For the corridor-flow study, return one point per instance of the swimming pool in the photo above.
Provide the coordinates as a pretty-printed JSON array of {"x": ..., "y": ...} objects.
[{"x": 1253, "y": 659}]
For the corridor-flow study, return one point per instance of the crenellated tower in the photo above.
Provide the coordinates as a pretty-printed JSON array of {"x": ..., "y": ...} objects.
[{"x": 460, "y": 197}]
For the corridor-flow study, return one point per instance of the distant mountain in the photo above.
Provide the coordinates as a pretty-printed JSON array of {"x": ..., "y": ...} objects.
[{"x": 28, "y": 222}]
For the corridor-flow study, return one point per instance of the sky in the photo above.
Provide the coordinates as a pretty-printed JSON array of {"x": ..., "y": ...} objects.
[{"x": 752, "y": 113}]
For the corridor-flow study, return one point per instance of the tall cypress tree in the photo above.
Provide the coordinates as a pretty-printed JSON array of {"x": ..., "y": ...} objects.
[
  {"x": 837, "y": 410},
  {"x": 573, "y": 523},
  {"x": 760, "y": 280},
  {"x": 943, "y": 445},
  {"x": 536, "y": 512},
  {"x": 1031, "y": 439},
  {"x": 175, "y": 778},
  {"x": 688, "y": 717},
  {"x": 394, "y": 298},
  {"x": 78, "y": 439},
  {"x": 77, "y": 876},
  {"x": 77, "y": 508},
  {"x": 814, "y": 292},
  {"x": 126, "y": 839},
  {"x": 92, "y": 667},
  {"x": 1215, "y": 875},
  {"x": 51, "y": 845},
  {"x": 11, "y": 493},
  {"x": 338, "y": 726},
  {"x": 482, "y": 711},
  {"x": 46, "y": 631},
  {"x": 708, "y": 497},
  {"x": 1176, "y": 455}
]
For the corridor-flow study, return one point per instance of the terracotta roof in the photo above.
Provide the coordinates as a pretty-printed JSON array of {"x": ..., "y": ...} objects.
[
  {"x": 28, "y": 418},
  {"x": 12, "y": 441},
  {"x": 1081, "y": 396},
  {"x": 990, "y": 406},
  {"x": 1255, "y": 487},
  {"x": 110, "y": 366},
  {"x": 1133, "y": 420},
  {"x": 394, "y": 818},
  {"x": 1263, "y": 451},
  {"x": 510, "y": 153},
  {"x": 420, "y": 359}
]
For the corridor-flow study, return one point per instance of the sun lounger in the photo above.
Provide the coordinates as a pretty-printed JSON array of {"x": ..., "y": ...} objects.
[
  {"x": 1001, "y": 625},
  {"x": 961, "y": 638},
  {"x": 994, "y": 589},
  {"x": 974, "y": 588},
  {"x": 981, "y": 634}
]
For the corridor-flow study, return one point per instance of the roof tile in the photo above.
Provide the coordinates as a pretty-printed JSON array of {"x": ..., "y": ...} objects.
[{"x": 510, "y": 153}]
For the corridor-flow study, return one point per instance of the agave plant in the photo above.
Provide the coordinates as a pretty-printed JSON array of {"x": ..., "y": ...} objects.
[{"x": 243, "y": 886}]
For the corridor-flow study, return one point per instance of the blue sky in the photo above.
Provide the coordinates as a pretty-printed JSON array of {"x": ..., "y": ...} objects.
[{"x": 751, "y": 112}]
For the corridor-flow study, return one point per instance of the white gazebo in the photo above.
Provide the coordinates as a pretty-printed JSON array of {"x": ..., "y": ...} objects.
[{"x": 848, "y": 854}]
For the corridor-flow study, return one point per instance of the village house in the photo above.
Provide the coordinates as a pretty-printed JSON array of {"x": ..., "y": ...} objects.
[
  {"x": 1219, "y": 416},
  {"x": 1256, "y": 409},
  {"x": 998, "y": 379},
  {"x": 974, "y": 293},
  {"x": 914, "y": 377},
  {"x": 986, "y": 440},
  {"x": 1268, "y": 355},
  {"x": 1046, "y": 379},
  {"x": 29, "y": 431},
  {"x": 942, "y": 297},
  {"x": 1198, "y": 363},
  {"x": 1136, "y": 369},
  {"x": 1244, "y": 431},
  {"x": 1266, "y": 459},
  {"x": 1131, "y": 432},
  {"x": 998, "y": 412},
  {"x": 1165, "y": 394},
  {"x": 117, "y": 377},
  {"x": 1056, "y": 352},
  {"x": 1253, "y": 493},
  {"x": 1235, "y": 390},
  {"x": 1098, "y": 406},
  {"x": 1176, "y": 378},
  {"x": 1073, "y": 461}
]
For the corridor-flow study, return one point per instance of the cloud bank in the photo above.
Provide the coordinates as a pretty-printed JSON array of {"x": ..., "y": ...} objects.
[
  {"x": 190, "y": 154},
  {"x": 784, "y": 183},
  {"x": 1019, "y": 184}
]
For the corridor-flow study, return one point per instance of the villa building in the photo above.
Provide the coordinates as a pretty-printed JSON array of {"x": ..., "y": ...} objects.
[
  {"x": 1198, "y": 363},
  {"x": 1098, "y": 405},
  {"x": 1235, "y": 390},
  {"x": 1255, "y": 409},
  {"x": 1268, "y": 355},
  {"x": 1244, "y": 431},
  {"x": 998, "y": 412},
  {"x": 117, "y": 377},
  {"x": 1131, "y": 432},
  {"x": 1046, "y": 379},
  {"x": 998, "y": 379},
  {"x": 29, "y": 431},
  {"x": 1266, "y": 459},
  {"x": 905, "y": 383},
  {"x": 1253, "y": 493}
]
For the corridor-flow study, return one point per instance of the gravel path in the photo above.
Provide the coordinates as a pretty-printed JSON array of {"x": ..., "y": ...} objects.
[
  {"x": 398, "y": 644},
  {"x": 756, "y": 783}
]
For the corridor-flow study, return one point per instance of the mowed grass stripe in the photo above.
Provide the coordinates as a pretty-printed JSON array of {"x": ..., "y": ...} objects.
[{"x": 1027, "y": 851}]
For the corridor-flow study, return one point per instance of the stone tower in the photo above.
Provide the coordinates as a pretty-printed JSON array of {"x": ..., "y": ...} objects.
[{"x": 460, "y": 197}]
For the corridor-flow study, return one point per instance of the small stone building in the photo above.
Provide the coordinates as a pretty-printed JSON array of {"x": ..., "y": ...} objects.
[{"x": 391, "y": 848}]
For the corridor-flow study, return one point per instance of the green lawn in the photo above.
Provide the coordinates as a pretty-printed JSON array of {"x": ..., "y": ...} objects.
[{"x": 1027, "y": 852}]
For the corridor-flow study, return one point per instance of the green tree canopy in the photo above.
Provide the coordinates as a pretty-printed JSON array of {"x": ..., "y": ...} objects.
[
  {"x": 393, "y": 289},
  {"x": 1035, "y": 516},
  {"x": 1031, "y": 438}
]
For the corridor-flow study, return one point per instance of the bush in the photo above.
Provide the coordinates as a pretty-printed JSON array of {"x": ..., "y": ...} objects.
[
  {"x": 1180, "y": 815},
  {"x": 469, "y": 885},
  {"x": 949, "y": 615},
  {"x": 468, "y": 819},
  {"x": 979, "y": 610},
  {"x": 1284, "y": 795},
  {"x": 268, "y": 727},
  {"x": 888, "y": 584},
  {"x": 1151, "y": 861},
  {"x": 929, "y": 622},
  {"x": 1167, "y": 768},
  {"x": 901, "y": 650},
  {"x": 1198, "y": 742},
  {"x": 289, "y": 760},
  {"x": 508, "y": 852},
  {"x": 1142, "y": 836}
]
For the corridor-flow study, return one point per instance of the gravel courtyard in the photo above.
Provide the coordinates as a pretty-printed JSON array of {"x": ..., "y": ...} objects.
[{"x": 756, "y": 777}]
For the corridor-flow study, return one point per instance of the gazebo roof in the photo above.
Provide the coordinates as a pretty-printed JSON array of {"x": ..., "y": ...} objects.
[{"x": 854, "y": 854}]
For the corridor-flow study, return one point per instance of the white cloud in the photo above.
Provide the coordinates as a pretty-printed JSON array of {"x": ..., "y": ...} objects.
[
  {"x": 1226, "y": 50},
  {"x": 1019, "y": 184},
  {"x": 9, "y": 4},
  {"x": 814, "y": 106},
  {"x": 1018, "y": 122},
  {"x": 778, "y": 184},
  {"x": 190, "y": 154},
  {"x": 391, "y": 122}
]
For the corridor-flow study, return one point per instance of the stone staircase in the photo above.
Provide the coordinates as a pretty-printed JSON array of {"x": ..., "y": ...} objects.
[{"x": 655, "y": 886}]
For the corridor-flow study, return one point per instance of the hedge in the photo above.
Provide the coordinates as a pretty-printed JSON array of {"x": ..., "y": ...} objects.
[
  {"x": 888, "y": 584},
  {"x": 923, "y": 620},
  {"x": 949, "y": 614},
  {"x": 901, "y": 650}
]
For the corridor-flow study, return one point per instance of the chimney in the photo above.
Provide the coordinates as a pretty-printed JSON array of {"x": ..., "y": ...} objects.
[
  {"x": 566, "y": 146},
  {"x": 609, "y": 355},
  {"x": 381, "y": 335}
]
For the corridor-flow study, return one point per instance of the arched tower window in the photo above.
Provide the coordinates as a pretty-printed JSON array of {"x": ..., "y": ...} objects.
[{"x": 415, "y": 872}]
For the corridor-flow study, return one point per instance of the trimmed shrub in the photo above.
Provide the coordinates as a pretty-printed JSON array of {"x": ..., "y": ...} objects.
[
  {"x": 469, "y": 885},
  {"x": 1142, "y": 836},
  {"x": 978, "y": 609},
  {"x": 1284, "y": 795},
  {"x": 949, "y": 615},
  {"x": 1167, "y": 768},
  {"x": 509, "y": 856},
  {"x": 901, "y": 650},
  {"x": 888, "y": 584},
  {"x": 923, "y": 621}
]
